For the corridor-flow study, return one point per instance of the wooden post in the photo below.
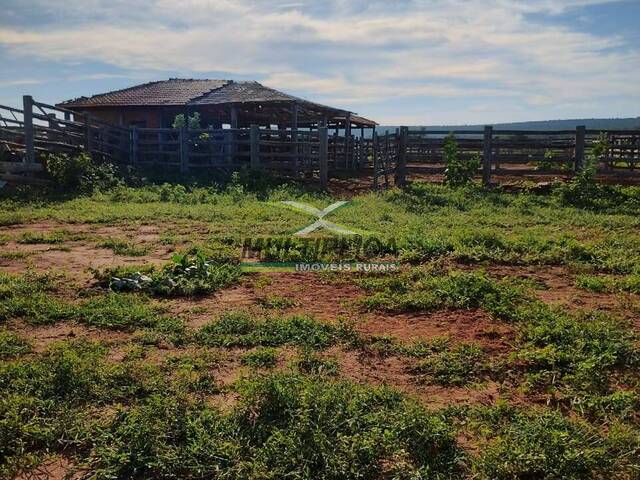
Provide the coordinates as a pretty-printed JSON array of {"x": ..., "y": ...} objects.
[
  {"x": 184, "y": 150},
  {"x": 401, "y": 167},
  {"x": 29, "y": 137},
  {"x": 486, "y": 155},
  {"x": 374, "y": 145},
  {"x": 232, "y": 146},
  {"x": 255, "y": 146},
  {"x": 579, "y": 160},
  {"x": 134, "y": 145},
  {"x": 294, "y": 139},
  {"x": 323, "y": 154},
  {"x": 347, "y": 141},
  {"x": 88, "y": 140}
]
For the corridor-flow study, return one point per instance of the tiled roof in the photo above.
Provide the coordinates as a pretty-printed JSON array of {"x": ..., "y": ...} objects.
[
  {"x": 167, "y": 92},
  {"x": 239, "y": 92},
  {"x": 181, "y": 92}
]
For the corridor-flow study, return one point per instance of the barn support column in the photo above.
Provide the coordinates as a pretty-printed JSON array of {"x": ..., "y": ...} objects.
[
  {"x": 294, "y": 140},
  {"x": 29, "y": 137},
  {"x": 230, "y": 138},
  {"x": 347, "y": 141}
]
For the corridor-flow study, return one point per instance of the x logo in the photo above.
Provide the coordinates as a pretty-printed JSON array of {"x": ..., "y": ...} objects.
[{"x": 319, "y": 214}]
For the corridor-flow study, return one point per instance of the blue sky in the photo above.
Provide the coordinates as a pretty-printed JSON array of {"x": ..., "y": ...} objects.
[{"x": 398, "y": 62}]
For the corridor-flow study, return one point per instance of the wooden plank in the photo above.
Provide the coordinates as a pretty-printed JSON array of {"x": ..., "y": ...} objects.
[
  {"x": 255, "y": 146},
  {"x": 323, "y": 154},
  {"x": 401, "y": 167},
  {"x": 30, "y": 152},
  {"x": 11, "y": 178},
  {"x": 13, "y": 167},
  {"x": 487, "y": 155},
  {"x": 579, "y": 152}
]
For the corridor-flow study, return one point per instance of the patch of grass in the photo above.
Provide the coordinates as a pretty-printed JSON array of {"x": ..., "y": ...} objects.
[
  {"x": 30, "y": 296},
  {"x": 629, "y": 283},
  {"x": 261, "y": 282},
  {"x": 607, "y": 284},
  {"x": 424, "y": 289},
  {"x": 594, "y": 283},
  {"x": 124, "y": 247},
  {"x": 33, "y": 238},
  {"x": 277, "y": 302},
  {"x": 448, "y": 364},
  {"x": 285, "y": 426},
  {"x": 261, "y": 357},
  {"x": 14, "y": 255},
  {"x": 130, "y": 312},
  {"x": 548, "y": 445},
  {"x": 12, "y": 345},
  {"x": 310, "y": 363},
  {"x": 244, "y": 330},
  {"x": 580, "y": 352},
  {"x": 193, "y": 373},
  {"x": 43, "y": 400}
]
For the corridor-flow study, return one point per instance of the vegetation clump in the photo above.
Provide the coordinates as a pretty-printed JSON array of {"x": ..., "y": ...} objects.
[
  {"x": 459, "y": 171},
  {"x": 187, "y": 275},
  {"x": 80, "y": 173},
  {"x": 241, "y": 329}
]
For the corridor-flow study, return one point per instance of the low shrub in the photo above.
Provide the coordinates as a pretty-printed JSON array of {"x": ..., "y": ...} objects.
[
  {"x": 186, "y": 275},
  {"x": 80, "y": 173},
  {"x": 261, "y": 357},
  {"x": 459, "y": 171}
]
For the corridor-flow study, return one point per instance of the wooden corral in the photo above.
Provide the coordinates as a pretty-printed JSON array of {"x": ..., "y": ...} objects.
[
  {"x": 307, "y": 152},
  {"x": 507, "y": 153}
]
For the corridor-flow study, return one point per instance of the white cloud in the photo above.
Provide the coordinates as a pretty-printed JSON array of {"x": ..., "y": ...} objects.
[{"x": 352, "y": 53}]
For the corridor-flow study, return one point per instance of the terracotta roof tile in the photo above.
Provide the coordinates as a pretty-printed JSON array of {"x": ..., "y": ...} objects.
[{"x": 167, "y": 92}]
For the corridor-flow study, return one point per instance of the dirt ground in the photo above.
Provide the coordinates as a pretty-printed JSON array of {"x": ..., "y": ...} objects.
[
  {"x": 299, "y": 294},
  {"x": 305, "y": 294}
]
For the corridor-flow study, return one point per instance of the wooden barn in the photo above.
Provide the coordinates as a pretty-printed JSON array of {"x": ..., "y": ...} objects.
[{"x": 219, "y": 103}]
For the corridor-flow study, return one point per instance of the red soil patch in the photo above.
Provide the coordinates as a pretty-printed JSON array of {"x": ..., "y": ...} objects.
[
  {"x": 310, "y": 293},
  {"x": 558, "y": 287},
  {"x": 460, "y": 325},
  {"x": 392, "y": 372},
  {"x": 54, "y": 468},
  {"x": 41, "y": 336},
  {"x": 313, "y": 294}
]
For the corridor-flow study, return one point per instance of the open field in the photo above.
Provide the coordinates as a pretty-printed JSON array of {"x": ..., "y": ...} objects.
[{"x": 506, "y": 346}]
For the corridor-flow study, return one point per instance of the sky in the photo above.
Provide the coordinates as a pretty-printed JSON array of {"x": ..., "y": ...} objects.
[{"x": 403, "y": 62}]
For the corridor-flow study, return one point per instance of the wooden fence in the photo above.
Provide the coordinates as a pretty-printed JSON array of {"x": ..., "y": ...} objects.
[
  {"x": 27, "y": 135},
  {"x": 506, "y": 152}
]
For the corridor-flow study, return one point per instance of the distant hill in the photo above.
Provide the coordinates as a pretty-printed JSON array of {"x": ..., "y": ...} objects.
[{"x": 590, "y": 123}]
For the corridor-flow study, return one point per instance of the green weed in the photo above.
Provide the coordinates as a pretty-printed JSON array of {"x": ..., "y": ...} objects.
[
  {"x": 12, "y": 345},
  {"x": 55, "y": 237},
  {"x": 451, "y": 365},
  {"x": 124, "y": 247},
  {"x": 547, "y": 445},
  {"x": 242, "y": 329},
  {"x": 261, "y": 357}
]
